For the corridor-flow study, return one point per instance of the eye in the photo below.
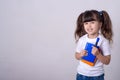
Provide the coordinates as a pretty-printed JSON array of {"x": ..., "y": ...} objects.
[
  {"x": 85, "y": 23},
  {"x": 92, "y": 22}
]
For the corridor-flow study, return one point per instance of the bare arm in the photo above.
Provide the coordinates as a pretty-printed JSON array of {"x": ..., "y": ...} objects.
[{"x": 102, "y": 58}]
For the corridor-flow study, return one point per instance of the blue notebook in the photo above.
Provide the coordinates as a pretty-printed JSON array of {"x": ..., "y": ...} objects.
[{"x": 90, "y": 59}]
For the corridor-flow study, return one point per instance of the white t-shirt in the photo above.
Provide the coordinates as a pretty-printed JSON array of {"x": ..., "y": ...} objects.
[{"x": 97, "y": 69}]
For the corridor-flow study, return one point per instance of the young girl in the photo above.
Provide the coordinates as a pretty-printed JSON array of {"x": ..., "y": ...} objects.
[{"x": 92, "y": 24}]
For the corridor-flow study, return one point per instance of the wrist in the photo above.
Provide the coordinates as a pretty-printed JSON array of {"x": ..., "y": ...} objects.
[{"x": 99, "y": 55}]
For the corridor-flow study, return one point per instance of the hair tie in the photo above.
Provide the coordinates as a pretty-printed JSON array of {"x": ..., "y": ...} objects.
[{"x": 100, "y": 13}]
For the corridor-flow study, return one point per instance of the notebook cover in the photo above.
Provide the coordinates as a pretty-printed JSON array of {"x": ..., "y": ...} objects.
[
  {"x": 90, "y": 59},
  {"x": 89, "y": 63}
]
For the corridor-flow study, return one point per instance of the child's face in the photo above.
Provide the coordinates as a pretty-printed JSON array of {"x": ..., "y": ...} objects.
[{"x": 92, "y": 28}]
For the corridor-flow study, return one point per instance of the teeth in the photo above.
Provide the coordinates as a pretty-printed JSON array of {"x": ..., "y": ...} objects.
[{"x": 90, "y": 29}]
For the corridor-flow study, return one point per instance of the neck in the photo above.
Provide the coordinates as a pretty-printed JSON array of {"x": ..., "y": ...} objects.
[{"x": 93, "y": 36}]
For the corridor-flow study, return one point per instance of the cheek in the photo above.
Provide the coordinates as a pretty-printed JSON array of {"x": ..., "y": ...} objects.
[
  {"x": 85, "y": 28},
  {"x": 96, "y": 27},
  {"x": 99, "y": 25}
]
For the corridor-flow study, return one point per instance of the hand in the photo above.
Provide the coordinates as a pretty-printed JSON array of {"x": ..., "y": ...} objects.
[
  {"x": 83, "y": 53},
  {"x": 95, "y": 51}
]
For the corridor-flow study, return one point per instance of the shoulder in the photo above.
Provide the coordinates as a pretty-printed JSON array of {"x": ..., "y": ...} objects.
[
  {"x": 82, "y": 38},
  {"x": 103, "y": 39},
  {"x": 104, "y": 42},
  {"x": 105, "y": 45}
]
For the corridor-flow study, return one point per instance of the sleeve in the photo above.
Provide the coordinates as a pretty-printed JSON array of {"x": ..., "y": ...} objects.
[
  {"x": 106, "y": 48},
  {"x": 79, "y": 47}
]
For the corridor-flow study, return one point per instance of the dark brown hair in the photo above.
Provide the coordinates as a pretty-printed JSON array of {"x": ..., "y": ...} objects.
[{"x": 92, "y": 15}]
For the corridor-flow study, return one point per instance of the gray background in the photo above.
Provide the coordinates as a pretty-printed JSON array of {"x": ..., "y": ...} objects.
[{"x": 37, "y": 38}]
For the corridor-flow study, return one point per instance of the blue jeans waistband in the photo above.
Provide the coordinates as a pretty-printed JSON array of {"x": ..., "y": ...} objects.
[{"x": 83, "y": 77}]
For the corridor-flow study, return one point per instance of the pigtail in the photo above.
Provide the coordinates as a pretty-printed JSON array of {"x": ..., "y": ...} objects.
[
  {"x": 106, "y": 28},
  {"x": 79, "y": 28}
]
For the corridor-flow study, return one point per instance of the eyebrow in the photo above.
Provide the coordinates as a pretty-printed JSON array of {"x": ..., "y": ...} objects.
[{"x": 90, "y": 20}]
